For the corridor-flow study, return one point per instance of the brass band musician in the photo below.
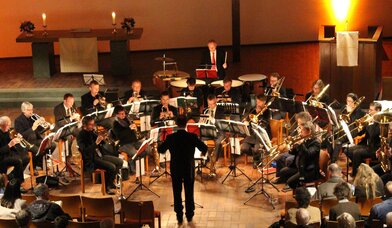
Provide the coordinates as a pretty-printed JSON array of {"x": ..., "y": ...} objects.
[
  {"x": 192, "y": 91},
  {"x": 272, "y": 87},
  {"x": 387, "y": 174},
  {"x": 163, "y": 111},
  {"x": 227, "y": 93},
  {"x": 92, "y": 100},
  {"x": 317, "y": 87},
  {"x": 136, "y": 93}
]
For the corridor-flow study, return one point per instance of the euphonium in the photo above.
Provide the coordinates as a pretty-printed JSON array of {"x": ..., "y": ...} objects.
[
  {"x": 346, "y": 117},
  {"x": 23, "y": 142}
]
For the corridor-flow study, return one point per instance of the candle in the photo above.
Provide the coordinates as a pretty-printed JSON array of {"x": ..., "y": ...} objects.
[
  {"x": 113, "y": 18},
  {"x": 44, "y": 19}
]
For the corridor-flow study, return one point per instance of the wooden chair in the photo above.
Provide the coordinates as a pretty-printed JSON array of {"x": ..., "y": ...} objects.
[
  {"x": 366, "y": 204},
  {"x": 45, "y": 224},
  {"x": 277, "y": 130},
  {"x": 72, "y": 205},
  {"x": 139, "y": 213},
  {"x": 326, "y": 205},
  {"x": 91, "y": 224},
  {"x": 94, "y": 173},
  {"x": 226, "y": 150},
  {"x": 29, "y": 198},
  {"x": 97, "y": 208},
  {"x": 8, "y": 223},
  {"x": 31, "y": 167},
  {"x": 292, "y": 225},
  {"x": 334, "y": 224}
]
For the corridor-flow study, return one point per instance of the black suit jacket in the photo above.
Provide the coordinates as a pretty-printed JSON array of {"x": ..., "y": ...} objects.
[
  {"x": 306, "y": 158},
  {"x": 372, "y": 137},
  {"x": 156, "y": 111},
  {"x": 123, "y": 133},
  {"x": 234, "y": 94},
  {"x": 60, "y": 116},
  {"x": 198, "y": 93},
  {"x": 88, "y": 103},
  {"x": 23, "y": 126},
  {"x": 219, "y": 112},
  {"x": 87, "y": 146},
  {"x": 219, "y": 58},
  {"x": 4, "y": 149},
  {"x": 129, "y": 94},
  {"x": 182, "y": 146}
]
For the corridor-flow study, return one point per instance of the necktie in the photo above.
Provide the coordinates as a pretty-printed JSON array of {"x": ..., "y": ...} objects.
[
  {"x": 213, "y": 58},
  {"x": 68, "y": 112},
  {"x": 212, "y": 114}
]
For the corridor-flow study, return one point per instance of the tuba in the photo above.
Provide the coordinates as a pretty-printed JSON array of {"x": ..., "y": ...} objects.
[
  {"x": 384, "y": 119},
  {"x": 346, "y": 117}
]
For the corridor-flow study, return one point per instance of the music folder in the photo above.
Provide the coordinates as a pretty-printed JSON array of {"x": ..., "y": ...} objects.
[{"x": 206, "y": 74}]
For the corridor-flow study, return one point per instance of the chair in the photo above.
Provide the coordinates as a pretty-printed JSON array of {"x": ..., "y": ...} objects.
[
  {"x": 29, "y": 198},
  {"x": 71, "y": 205},
  {"x": 377, "y": 223},
  {"x": 8, "y": 223},
  {"x": 334, "y": 224},
  {"x": 93, "y": 224},
  {"x": 366, "y": 204},
  {"x": 45, "y": 224},
  {"x": 326, "y": 205},
  {"x": 31, "y": 168},
  {"x": 133, "y": 212},
  {"x": 277, "y": 130},
  {"x": 287, "y": 206},
  {"x": 292, "y": 225},
  {"x": 97, "y": 208},
  {"x": 94, "y": 173}
]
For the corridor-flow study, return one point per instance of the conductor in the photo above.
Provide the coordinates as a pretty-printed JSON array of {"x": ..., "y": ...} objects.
[{"x": 182, "y": 166}]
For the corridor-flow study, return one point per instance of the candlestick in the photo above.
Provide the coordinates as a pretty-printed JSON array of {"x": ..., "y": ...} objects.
[
  {"x": 44, "y": 19},
  {"x": 113, "y": 18}
]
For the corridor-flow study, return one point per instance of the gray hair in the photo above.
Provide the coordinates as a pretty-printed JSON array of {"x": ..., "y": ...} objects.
[
  {"x": 40, "y": 190},
  {"x": 346, "y": 220},
  {"x": 334, "y": 169},
  {"x": 26, "y": 105},
  {"x": 4, "y": 120},
  {"x": 302, "y": 216},
  {"x": 388, "y": 219}
]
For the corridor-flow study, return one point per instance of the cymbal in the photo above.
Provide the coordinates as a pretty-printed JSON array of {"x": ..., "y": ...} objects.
[
  {"x": 252, "y": 77},
  {"x": 166, "y": 59},
  {"x": 170, "y": 75},
  {"x": 384, "y": 117},
  {"x": 219, "y": 83},
  {"x": 182, "y": 83}
]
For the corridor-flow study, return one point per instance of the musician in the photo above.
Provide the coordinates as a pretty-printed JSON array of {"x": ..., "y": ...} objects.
[
  {"x": 93, "y": 99},
  {"x": 227, "y": 91},
  {"x": 94, "y": 157},
  {"x": 31, "y": 131},
  {"x": 306, "y": 152},
  {"x": 215, "y": 58},
  {"x": 317, "y": 87},
  {"x": 125, "y": 131},
  {"x": 274, "y": 79},
  {"x": 214, "y": 112},
  {"x": 136, "y": 93},
  {"x": 182, "y": 166},
  {"x": 250, "y": 144},
  {"x": 367, "y": 147},
  {"x": 192, "y": 91},
  {"x": 12, "y": 153},
  {"x": 163, "y": 111},
  {"x": 385, "y": 176}
]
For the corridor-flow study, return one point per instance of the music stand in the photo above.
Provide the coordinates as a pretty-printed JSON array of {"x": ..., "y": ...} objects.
[
  {"x": 322, "y": 115},
  {"x": 138, "y": 156},
  {"x": 46, "y": 144},
  {"x": 142, "y": 110},
  {"x": 87, "y": 78},
  {"x": 235, "y": 129},
  {"x": 260, "y": 135},
  {"x": 163, "y": 132},
  {"x": 348, "y": 144}
]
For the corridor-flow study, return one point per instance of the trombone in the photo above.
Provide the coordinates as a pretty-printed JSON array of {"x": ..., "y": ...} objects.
[
  {"x": 347, "y": 117},
  {"x": 315, "y": 100}
]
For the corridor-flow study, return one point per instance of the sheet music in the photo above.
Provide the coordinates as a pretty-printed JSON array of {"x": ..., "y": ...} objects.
[
  {"x": 262, "y": 134},
  {"x": 198, "y": 155},
  {"x": 235, "y": 146},
  {"x": 109, "y": 112},
  {"x": 142, "y": 168}
]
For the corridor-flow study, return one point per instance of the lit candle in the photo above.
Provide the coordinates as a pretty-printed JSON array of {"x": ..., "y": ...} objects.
[
  {"x": 113, "y": 18},
  {"x": 44, "y": 19}
]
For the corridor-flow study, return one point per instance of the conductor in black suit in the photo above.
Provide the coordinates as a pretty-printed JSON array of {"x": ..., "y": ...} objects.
[
  {"x": 215, "y": 58},
  {"x": 182, "y": 166}
]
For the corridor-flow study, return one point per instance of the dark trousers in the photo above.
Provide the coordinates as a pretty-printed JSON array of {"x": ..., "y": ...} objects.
[
  {"x": 19, "y": 160},
  {"x": 385, "y": 177},
  {"x": 37, "y": 158},
  {"x": 357, "y": 154},
  {"x": 111, "y": 165},
  {"x": 188, "y": 181},
  {"x": 290, "y": 176},
  {"x": 253, "y": 149},
  {"x": 285, "y": 160}
]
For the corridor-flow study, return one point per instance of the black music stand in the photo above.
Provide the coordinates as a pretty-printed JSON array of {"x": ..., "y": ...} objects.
[
  {"x": 347, "y": 145},
  {"x": 322, "y": 115},
  {"x": 144, "y": 109},
  {"x": 235, "y": 129},
  {"x": 87, "y": 78},
  {"x": 258, "y": 132},
  {"x": 163, "y": 132},
  {"x": 138, "y": 156},
  {"x": 46, "y": 144}
]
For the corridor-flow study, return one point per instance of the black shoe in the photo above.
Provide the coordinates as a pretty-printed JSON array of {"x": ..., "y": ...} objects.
[
  {"x": 110, "y": 191},
  {"x": 180, "y": 220},
  {"x": 155, "y": 173},
  {"x": 277, "y": 181},
  {"x": 255, "y": 165},
  {"x": 23, "y": 190},
  {"x": 137, "y": 181},
  {"x": 189, "y": 219},
  {"x": 36, "y": 173},
  {"x": 249, "y": 190}
]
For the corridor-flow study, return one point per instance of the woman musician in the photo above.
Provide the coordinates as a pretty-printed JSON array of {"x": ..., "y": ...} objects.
[{"x": 317, "y": 87}]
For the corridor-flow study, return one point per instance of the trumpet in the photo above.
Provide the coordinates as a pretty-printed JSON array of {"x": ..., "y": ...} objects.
[
  {"x": 255, "y": 117},
  {"x": 105, "y": 134},
  {"x": 42, "y": 122},
  {"x": 23, "y": 142},
  {"x": 347, "y": 117},
  {"x": 315, "y": 100}
]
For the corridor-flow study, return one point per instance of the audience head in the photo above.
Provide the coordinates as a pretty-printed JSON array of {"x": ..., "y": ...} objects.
[
  {"x": 136, "y": 86},
  {"x": 5, "y": 123},
  {"x": 366, "y": 178},
  {"x": 69, "y": 100},
  {"x": 41, "y": 191},
  {"x": 212, "y": 44},
  {"x": 302, "y": 196},
  {"x": 107, "y": 223},
  {"x": 388, "y": 189},
  {"x": 374, "y": 108},
  {"x": 334, "y": 170},
  {"x": 342, "y": 191},
  {"x": 317, "y": 86},
  {"x": 346, "y": 220},
  {"x": 181, "y": 121},
  {"x": 302, "y": 216},
  {"x": 93, "y": 87},
  {"x": 88, "y": 123},
  {"x": 11, "y": 194},
  {"x": 388, "y": 219},
  {"x": 61, "y": 222},
  {"x": 23, "y": 218},
  {"x": 27, "y": 109},
  {"x": 211, "y": 100},
  {"x": 165, "y": 98}
]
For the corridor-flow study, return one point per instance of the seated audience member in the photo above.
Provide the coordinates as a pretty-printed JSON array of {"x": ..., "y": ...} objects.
[
  {"x": 302, "y": 196},
  {"x": 345, "y": 220},
  {"x": 107, "y": 223},
  {"x": 42, "y": 209},
  {"x": 388, "y": 219},
  {"x": 12, "y": 201},
  {"x": 61, "y": 221},
  {"x": 326, "y": 189},
  {"x": 368, "y": 184},
  {"x": 380, "y": 210},
  {"x": 302, "y": 217},
  {"x": 342, "y": 192},
  {"x": 23, "y": 218}
]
